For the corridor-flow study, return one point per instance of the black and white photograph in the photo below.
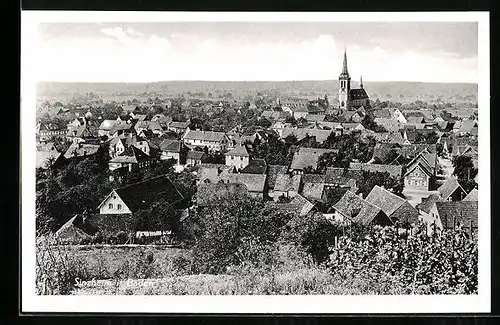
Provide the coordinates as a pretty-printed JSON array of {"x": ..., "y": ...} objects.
[{"x": 232, "y": 158}]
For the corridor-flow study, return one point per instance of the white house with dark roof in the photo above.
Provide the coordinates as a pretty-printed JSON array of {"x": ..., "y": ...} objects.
[
  {"x": 238, "y": 157},
  {"x": 216, "y": 141},
  {"x": 451, "y": 190},
  {"x": 396, "y": 208}
]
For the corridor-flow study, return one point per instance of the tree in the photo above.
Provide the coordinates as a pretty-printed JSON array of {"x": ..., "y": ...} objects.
[
  {"x": 314, "y": 233},
  {"x": 383, "y": 179},
  {"x": 465, "y": 172}
]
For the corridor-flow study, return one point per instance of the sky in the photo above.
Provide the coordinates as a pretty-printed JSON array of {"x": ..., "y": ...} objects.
[{"x": 244, "y": 51}]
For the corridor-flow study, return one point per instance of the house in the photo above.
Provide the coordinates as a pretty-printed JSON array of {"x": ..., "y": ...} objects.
[
  {"x": 296, "y": 110},
  {"x": 287, "y": 185},
  {"x": 44, "y": 158},
  {"x": 351, "y": 208},
  {"x": 336, "y": 177},
  {"x": 420, "y": 172},
  {"x": 131, "y": 158},
  {"x": 451, "y": 190},
  {"x": 302, "y": 133},
  {"x": 298, "y": 205},
  {"x": 141, "y": 195},
  {"x": 452, "y": 215},
  {"x": 195, "y": 157},
  {"x": 171, "y": 149},
  {"x": 464, "y": 127},
  {"x": 138, "y": 142},
  {"x": 178, "y": 127},
  {"x": 256, "y": 166},
  {"x": 472, "y": 196},
  {"x": 212, "y": 173},
  {"x": 274, "y": 115},
  {"x": 162, "y": 119},
  {"x": 77, "y": 151},
  {"x": 216, "y": 141},
  {"x": 238, "y": 157},
  {"x": 153, "y": 126},
  {"x": 398, "y": 116},
  {"x": 382, "y": 113},
  {"x": 272, "y": 173},
  {"x": 315, "y": 117},
  {"x": 116, "y": 147},
  {"x": 45, "y": 131},
  {"x": 313, "y": 186},
  {"x": 308, "y": 157},
  {"x": 109, "y": 127},
  {"x": 255, "y": 183},
  {"x": 412, "y": 119},
  {"x": 393, "y": 170},
  {"x": 209, "y": 194},
  {"x": 389, "y": 124},
  {"x": 424, "y": 208},
  {"x": 396, "y": 208},
  {"x": 350, "y": 127}
]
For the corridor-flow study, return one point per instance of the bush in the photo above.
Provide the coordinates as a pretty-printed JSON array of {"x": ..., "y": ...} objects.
[{"x": 443, "y": 264}]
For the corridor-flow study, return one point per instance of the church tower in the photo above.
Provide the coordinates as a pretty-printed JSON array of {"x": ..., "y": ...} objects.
[{"x": 344, "y": 85}]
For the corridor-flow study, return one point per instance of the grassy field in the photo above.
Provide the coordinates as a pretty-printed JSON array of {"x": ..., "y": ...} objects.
[{"x": 87, "y": 270}]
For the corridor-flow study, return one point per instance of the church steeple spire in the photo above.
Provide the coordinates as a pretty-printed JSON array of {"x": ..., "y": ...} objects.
[
  {"x": 344, "y": 65},
  {"x": 361, "y": 82}
]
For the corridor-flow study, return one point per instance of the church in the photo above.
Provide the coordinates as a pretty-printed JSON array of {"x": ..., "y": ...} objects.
[{"x": 350, "y": 99}]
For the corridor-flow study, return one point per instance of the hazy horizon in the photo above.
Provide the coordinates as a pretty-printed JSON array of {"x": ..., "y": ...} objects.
[{"x": 440, "y": 52}]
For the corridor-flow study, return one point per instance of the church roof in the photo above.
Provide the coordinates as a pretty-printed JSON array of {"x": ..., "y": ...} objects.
[{"x": 358, "y": 93}]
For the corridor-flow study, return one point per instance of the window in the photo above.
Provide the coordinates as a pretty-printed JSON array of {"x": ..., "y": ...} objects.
[
  {"x": 241, "y": 158},
  {"x": 110, "y": 206},
  {"x": 119, "y": 206}
]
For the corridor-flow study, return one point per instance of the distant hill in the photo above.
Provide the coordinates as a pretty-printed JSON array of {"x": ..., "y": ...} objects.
[{"x": 394, "y": 91}]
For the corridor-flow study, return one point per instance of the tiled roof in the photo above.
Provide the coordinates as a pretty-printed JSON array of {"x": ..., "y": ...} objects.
[
  {"x": 463, "y": 211},
  {"x": 253, "y": 182},
  {"x": 273, "y": 172},
  {"x": 299, "y": 204},
  {"x": 179, "y": 125},
  {"x": 170, "y": 146},
  {"x": 207, "y": 193},
  {"x": 415, "y": 119},
  {"x": 449, "y": 187},
  {"x": 240, "y": 150},
  {"x": 393, "y": 170},
  {"x": 308, "y": 157},
  {"x": 382, "y": 113},
  {"x": 150, "y": 125},
  {"x": 255, "y": 166},
  {"x": 428, "y": 202},
  {"x": 321, "y": 135},
  {"x": 42, "y": 157},
  {"x": 385, "y": 200},
  {"x": 315, "y": 117},
  {"x": 472, "y": 196},
  {"x": 142, "y": 194},
  {"x": 287, "y": 182},
  {"x": 195, "y": 155},
  {"x": 358, "y": 93},
  {"x": 205, "y": 135},
  {"x": 131, "y": 155},
  {"x": 357, "y": 209},
  {"x": 313, "y": 190},
  {"x": 81, "y": 150},
  {"x": 340, "y": 176}
]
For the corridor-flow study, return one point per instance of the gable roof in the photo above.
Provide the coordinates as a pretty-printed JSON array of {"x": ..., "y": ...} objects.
[
  {"x": 131, "y": 155},
  {"x": 142, "y": 194},
  {"x": 308, "y": 157},
  {"x": 255, "y": 166},
  {"x": 240, "y": 151},
  {"x": 170, "y": 146},
  {"x": 341, "y": 176},
  {"x": 358, "y": 93},
  {"x": 205, "y": 135},
  {"x": 314, "y": 186},
  {"x": 320, "y": 135},
  {"x": 253, "y": 182},
  {"x": 472, "y": 196},
  {"x": 463, "y": 211},
  {"x": 393, "y": 170},
  {"x": 81, "y": 150},
  {"x": 381, "y": 113},
  {"x": 355, "y": 208},
  {"x": 273, "y": 172},
  {"x": 298, "y": 204},
  {"x": 287, "y": 182},
  {"x": 195, "y": 155},
  {"x": 428, "y": 202},
  {"x": 385, "y": 200},
  {"x": 208, "y": 192},
  {"x": 449, "y": 187}
]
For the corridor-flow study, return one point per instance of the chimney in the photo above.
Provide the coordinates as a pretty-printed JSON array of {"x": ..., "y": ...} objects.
[{"x": 360, "y": 195}]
